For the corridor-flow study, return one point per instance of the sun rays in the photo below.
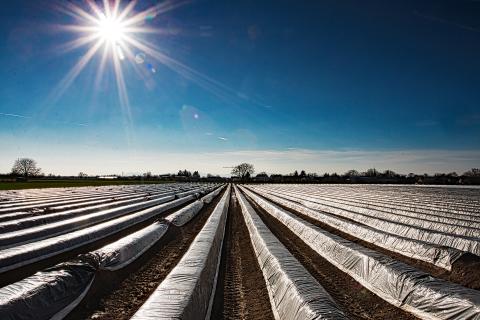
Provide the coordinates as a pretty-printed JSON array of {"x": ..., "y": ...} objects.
[
  {"x": 117, "y": 34},
  {"x": 110, "y": 31}
]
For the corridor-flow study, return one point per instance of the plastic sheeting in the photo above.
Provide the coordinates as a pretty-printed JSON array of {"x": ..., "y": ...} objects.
[
  {"x": 68, "y": 200},
  {"x": 449, "y": 201},
  {"x": 441, "y": 224},
  {"x": 61, "y": 201},
  {"x": 187, "y": 291},
  {"x": 30, "y": 196},
  {"x": 60, "y": 227},
  {"x": 399, "y": 284},
  {"x": 43, "y": 219},
  {"x": 294, "y": 293},
  {"x": 121, "y": 253},
  {"x": 182, "y": 216},
  {"x": 209, "y": 197},
  {"x": 51, "y": 202},
  {"x": 18, "y": 256},
  {"x": 421, "y": 210},
  {"x": 116, "y": 197},
  {"x": 54, "y": 292},
  {"x": 445, "y": 201},
  {"x": 49, "y": 294},
  {"x": 427, "y": 235},
  {"x": 45, "y": 212},
  {"x": 437, "y": 255}
]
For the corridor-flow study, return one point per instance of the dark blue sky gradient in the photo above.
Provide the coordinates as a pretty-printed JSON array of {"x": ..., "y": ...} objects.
[{"x": 369, "y": 75}]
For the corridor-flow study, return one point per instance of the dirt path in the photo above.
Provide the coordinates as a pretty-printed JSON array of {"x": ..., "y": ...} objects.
[
  {"x": 352, "y": 297},
  {"x": 118, "y": 295},
  {"x": 241, "y": 292}
]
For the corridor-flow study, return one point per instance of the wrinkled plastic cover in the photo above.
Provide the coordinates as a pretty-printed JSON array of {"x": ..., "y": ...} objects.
[
  {"x": 469, "y": 244},
  {"x": 15, "y": 257},
  {"x": 428, "y": 221},
  {"x": 71, "y": 212},
  {"x": 294, "y": 293},
  {"x": 184, "y": 215},
  {"x": 209, "y": 197},
  {"x": 186, "y": 293},
  {"x": 49, "y": 294},
  {"x": 115, "y": 198},
  {"x": 54, "y": 292},
  {"x": 399, "y": 284},
  {"x": 75, "y": 223},
  {"x": 421, "y": 209},
  {"x": 49, "y": 202},
  {"x": 122, "y": 252},
  {"x": 439, "y": 203},
  {"x": 42, "y": 204},
  {"x": 438, "y": 255},
  {"x": 63, "y": 199}
]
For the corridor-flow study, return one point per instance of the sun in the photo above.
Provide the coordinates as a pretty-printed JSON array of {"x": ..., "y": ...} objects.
[
  {"x": 117, "y": 34},
  {"x": 110, "y": 30}
]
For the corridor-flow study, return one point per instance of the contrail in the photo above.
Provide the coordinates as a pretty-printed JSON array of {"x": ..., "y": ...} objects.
[
  {"x": 30, "y": 117},
  {"x": 13, "y": 115},
  {"x": 441, "y": 20}
]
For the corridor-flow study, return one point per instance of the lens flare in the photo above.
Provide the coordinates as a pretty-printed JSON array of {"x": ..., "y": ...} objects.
[
  {"x": 140, "y": 58},
  {"x": 115, "y": 29},
  {"x": 119, "y": 35}
]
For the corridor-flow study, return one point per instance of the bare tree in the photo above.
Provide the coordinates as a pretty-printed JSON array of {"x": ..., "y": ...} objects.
[
  {"x": 474, "y": 172},
  {"x": 26, "y": 167},
  {"x": 371, "y": 173},
  {"x": 243, "y": 170},
  {"x": 82, "y": 175},
  {"x": 147, "y": 175},
  {"x": 352, "y": 173},
  {"x": 389, "y": 173}
]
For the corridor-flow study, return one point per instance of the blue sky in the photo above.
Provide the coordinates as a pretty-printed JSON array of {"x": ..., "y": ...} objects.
[{"x": 318, "y": 85}]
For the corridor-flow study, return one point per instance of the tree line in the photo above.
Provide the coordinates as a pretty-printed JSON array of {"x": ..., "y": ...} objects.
[
  {"x": 25, "y": 168},
  {"x": 371, "y": 175}
]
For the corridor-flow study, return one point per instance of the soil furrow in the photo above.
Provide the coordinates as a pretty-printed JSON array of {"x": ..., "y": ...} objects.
[{"x": 241, "y": 291}]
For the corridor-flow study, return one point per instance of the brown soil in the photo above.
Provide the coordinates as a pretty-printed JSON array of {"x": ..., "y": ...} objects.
[
  {"x": 352, "y": 297},
  {"x": 118, "y": 295},
  {"x": 241, "y": 291},
  {"x": 465, "y": 271}
]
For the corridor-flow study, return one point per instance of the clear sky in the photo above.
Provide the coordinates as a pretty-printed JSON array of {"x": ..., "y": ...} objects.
[{"x": 321, "y": 85}]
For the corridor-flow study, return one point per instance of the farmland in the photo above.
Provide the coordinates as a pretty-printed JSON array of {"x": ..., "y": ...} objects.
[
  {"x": 67, "y": 183},
  {"x": 252, "y": 251}
]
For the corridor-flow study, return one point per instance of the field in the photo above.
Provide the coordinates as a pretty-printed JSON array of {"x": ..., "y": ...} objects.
[
  {"x": 264, "y": 251},
  {"x": 68, "y": 183}
]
